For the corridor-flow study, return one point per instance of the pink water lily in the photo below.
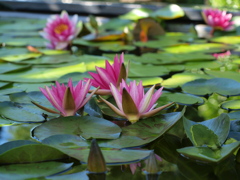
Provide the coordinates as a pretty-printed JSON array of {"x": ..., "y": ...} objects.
[
  {"x": 218, "y": 19},
  {"x": 222, "y": 55},
  {"x": 67, "y": 99},
  {"x": 133, "y": 103},
  {"x": 60, "y": 30},
  {"x": 111, "y": 74}
]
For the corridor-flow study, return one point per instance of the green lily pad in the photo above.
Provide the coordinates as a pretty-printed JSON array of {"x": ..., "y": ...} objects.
[
  {"x": 177, "y": 80},
  {"x": 208, "y": 155},
  {"x": 140, "y": 70},
  {"x": 203, "y": 65},
  {"x": 157, "y": 43},
  {"x": 171, "y": 11},
  {"x": 234, "y": 115},
  {"x": 219, "y": 126},
  {"x": 33, "y": 170},
  {"x": 227, "y": 39},
  {"x": 136, "y": 14},
  {"x": 222, "y": 86},
  {"x": 146, "y": 81},
  {"x": 8, "y": 67},
  {"x": 231, "y": 105},
  {"x": 144, "y": 131},
  {"x": 225, "y": 74},
  {"x": 117, "y": 48},
  {"x": 204, "y": 47},
  {"x": 20, "y": 57},
  {"x": 183, "y": 99},
  {"x": 21, "y": 112},
  {"x": 53, "y": 59},
  {"x": 3, "y": 84},
  {"x": 28, "y": 87},
  {"x": 87, "y": 127},
  {"x": 25, "y": 152},
  {"x": 115, "y": 24},
  {"x": 202, "y": 135},
  {"x": 36, "y": 75},
  {"x": 23, "y": 26},
  {"x": 5, "y": 91},
  {"x": 33, "y": 41}
]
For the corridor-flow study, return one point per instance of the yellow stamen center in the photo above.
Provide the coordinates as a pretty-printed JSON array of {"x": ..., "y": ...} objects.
[{"x": 60, "y": 28}]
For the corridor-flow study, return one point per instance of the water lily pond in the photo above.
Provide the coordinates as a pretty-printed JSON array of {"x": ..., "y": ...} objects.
[{"x": 196, "y": 136}]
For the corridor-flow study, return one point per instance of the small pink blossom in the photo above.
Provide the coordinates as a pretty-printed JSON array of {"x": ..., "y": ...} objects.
[
  {"x": 67, "y": 99},
  {"x": 222, "y": 55},
  {"x": 218, "y": 19},
  {"x": 60, "y": 30},
  {"x": 133, "y": 103},
  {"x": 111, "y": 74}
]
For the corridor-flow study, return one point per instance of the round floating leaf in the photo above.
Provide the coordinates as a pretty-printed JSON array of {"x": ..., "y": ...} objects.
[
  {"x": 10, "y": 91},
  {"x": 71, "y": 145},
  {"x": 28, "y": 87},
  {"x": 179, "y": 79},
  {"x": 207, "y": 154},
  {"x": 20, "y": 57},
  {"x": 234, "y": 115},
  {"x": 148, "y": 81},
  {"x": 204, "y": 65},
  {"x": 144, "y": 131},
  {"x": 30, "y": 153},
  {"x": 157, "y": 43},
  {"x": 231, "y": 105},
  {"x": 222, "y": 86},
  {"x": 33, "y": 41},
  {"x": 117, "y": 47},
  {"x": 204, "y": 47},
  {"x": 171, "y": 11},
  {"x": 8, "y": 67},
  {"x": 225, "y": 74},
  {"x": 53, "y": 59},
  {"x": 86, "y": 126},
  {"x": 2, "y": 84},
  {"x": 183, "y": 99},
  {"x": 32, "y": 171},
  {"x": 136, "y": 14},
  {"x": 36, "y": 75},
  {"x": 140, "y": 70},
  {"x": 227, "y": 39},
  {"x": 116, "y": 24},
  {"x": 21, "y": 112}
]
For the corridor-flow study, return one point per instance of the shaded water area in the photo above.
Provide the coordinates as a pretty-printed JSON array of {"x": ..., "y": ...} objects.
[{"x": 196, "y": 138}]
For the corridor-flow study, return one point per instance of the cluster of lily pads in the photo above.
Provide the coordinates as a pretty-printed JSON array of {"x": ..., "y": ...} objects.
[{"x": 200, "y": 130}]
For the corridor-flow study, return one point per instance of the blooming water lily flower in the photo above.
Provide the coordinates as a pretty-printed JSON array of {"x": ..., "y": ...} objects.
[
  {"x": 67, "y": 99},
  {"x": 111, "y": 74},
  {"x": 133, "y": 103},
  {"x": 218, "y": 19},
  {"x": 222, "y": 55},
  {"x": 60, "y": 30}
]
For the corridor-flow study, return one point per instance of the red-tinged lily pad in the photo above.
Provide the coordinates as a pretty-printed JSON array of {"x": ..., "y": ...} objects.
[
  {"x": 32, "y": 170},
  {"x": 86, "y": 127},
  {"x": 18, "y": 152}
]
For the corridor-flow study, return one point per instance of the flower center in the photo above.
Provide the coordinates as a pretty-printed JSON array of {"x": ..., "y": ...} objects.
[{"x": 60, "y": 28}]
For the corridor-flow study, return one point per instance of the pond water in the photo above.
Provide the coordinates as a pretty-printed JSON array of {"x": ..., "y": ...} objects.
[{"x": 196, "y": 138}]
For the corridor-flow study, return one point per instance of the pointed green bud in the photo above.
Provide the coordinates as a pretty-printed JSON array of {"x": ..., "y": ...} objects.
[
  {"x": 96, "y": 161},
  {"x": 151, "y": 164}
]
